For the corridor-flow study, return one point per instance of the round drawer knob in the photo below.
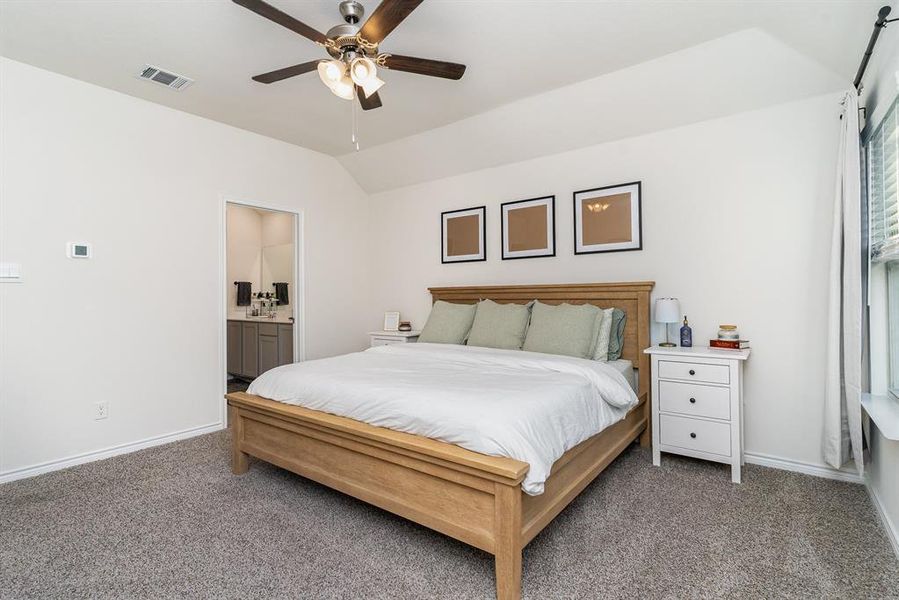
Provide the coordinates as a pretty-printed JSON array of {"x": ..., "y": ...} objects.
[
  {"x": 693, "y": 435},
  {"x": 692, "y": 400},
  {"x": 692, "y": 372}
]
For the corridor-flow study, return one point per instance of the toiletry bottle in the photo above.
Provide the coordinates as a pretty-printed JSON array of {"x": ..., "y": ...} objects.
[{"x": 686, "y": 335}]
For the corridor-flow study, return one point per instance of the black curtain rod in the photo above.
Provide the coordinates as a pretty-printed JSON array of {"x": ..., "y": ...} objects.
[{"x": 879, "y": 25}]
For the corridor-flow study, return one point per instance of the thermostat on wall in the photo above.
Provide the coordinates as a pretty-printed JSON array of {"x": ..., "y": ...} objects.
[{"x": 79, "y": 250}]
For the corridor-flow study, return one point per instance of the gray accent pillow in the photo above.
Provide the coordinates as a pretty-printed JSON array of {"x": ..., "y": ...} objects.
[
  {"x": 566, "y": 329},
  {"x": 616, "y": 342},
  {"x": 499, "y": 325},
  {"x": 448, "y": 323}
]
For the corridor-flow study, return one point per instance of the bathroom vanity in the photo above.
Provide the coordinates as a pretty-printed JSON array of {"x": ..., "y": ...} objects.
[{"x": 257, "y": 345}]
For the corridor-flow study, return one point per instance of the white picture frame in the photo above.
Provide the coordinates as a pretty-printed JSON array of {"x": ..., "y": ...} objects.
[
  {"x": 633, "y": 219},
  {"x": 475, "y": 235},
  {"x": 391, "y": 321},
  {"x": 508, "y": 233}
]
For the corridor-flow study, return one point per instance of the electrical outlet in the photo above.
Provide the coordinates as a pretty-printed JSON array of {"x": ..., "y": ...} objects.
[{"x": 101, "y": 410}]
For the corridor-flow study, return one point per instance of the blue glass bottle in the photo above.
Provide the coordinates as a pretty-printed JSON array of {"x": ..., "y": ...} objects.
[{"x": 686, "y": 335}]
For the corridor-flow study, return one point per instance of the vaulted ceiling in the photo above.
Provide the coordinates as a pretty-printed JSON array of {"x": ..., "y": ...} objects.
[{"x": 706, "y": 58}]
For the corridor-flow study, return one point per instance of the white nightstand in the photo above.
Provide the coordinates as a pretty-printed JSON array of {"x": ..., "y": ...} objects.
[
  {"x": 385, "y": 338},
  {"x": 697, "y": 404}
]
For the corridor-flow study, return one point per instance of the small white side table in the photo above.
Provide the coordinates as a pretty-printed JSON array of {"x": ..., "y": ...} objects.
[
  {"x": 697, "y": 404},
  {"x": 385, "y": 338}
]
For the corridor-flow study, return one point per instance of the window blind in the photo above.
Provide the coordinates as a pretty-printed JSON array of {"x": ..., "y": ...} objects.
[{"x": 883, "y": 187}]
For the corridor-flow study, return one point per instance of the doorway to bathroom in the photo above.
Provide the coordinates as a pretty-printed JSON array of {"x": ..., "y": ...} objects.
[{"x": 263, "y": 291}]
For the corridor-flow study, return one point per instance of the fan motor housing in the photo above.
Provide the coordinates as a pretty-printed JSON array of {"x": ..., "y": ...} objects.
[{"x": 344, "y": 35}]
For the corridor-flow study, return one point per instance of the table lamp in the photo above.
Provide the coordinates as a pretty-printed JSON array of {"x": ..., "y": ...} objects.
[{"x": 667, "y": 311}]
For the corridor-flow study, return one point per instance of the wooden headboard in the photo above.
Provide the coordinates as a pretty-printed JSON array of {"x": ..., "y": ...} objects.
[{"x": 631, "y": 297}]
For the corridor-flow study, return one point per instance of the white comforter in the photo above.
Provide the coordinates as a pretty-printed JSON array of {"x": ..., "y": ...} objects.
[{"x": 524, "y": 405}]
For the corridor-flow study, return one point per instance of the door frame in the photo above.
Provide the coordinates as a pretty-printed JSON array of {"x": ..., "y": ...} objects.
[{"x": 298, "y": 304}]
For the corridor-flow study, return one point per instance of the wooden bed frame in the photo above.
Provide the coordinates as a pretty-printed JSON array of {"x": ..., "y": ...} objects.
[{"x": 471, "y": 497}]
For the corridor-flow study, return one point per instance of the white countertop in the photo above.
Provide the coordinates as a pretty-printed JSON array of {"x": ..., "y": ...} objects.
[
  {"x": 280, "y": 320},
  {"x": 699, "y": 352}
]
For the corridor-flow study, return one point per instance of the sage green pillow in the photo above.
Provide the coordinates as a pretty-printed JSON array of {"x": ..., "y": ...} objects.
[
  {"x": 616, "y": 341},
  {"x": 448, "y": 323},
  {"x": 567, "y": 329},
  {"x": 499, "y": 325}
]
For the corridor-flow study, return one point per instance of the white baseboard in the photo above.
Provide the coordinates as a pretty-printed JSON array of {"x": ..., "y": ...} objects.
[
  {"x": 784, "y": 464},
  {"x": 888, "y": 525},
  {"x": 55, "y": 465}
]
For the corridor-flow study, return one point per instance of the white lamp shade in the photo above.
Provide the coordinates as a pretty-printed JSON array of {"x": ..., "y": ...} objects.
[{"x": 667, "y": 310}]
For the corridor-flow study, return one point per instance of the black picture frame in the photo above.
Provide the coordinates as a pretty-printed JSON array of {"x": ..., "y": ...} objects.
[
  {"x": 502, "y": 227},
  {"x": 576, "y": 217},
  {"x": 483, "y": 211}
]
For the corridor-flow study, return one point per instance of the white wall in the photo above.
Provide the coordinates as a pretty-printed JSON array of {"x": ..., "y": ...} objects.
[
  {"x": 881, "y": 84},
  {"x": 736, "y": 223},
  {"x": 139, "y": 325}
]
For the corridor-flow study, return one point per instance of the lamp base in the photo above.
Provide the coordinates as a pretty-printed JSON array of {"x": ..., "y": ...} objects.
[{"x": 667, "y": 345}]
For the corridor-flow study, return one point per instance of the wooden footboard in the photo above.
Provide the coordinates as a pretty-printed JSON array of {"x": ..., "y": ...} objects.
[{"x": 471, "y": 497}]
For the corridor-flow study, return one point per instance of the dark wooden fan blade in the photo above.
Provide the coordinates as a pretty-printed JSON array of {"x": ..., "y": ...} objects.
[
  {"x": 273, "y": 14},
  {"x": 373, "y": 101},
  {"x": 424, "y": 66},
  {"x": 386, "y": 17},
  {"x": 273, "y": 76}
]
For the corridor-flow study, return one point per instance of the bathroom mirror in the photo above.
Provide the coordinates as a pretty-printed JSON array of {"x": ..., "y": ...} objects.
[
  {"x": 261, "y": 251},
  {"x": 277, "y": 266}
]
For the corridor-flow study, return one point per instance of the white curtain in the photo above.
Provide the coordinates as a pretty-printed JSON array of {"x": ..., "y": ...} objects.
[{"x": 842, "y": 387}]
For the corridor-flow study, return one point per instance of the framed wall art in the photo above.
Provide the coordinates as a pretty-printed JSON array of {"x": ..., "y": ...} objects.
[
  {"x": 463, "y": 235},
  {"x": 528, "y": 228},
  {"x": 608, "y": 219}
]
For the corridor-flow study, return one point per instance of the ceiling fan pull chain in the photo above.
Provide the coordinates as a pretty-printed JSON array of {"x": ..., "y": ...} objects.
[{"x": 355, "y": 137}]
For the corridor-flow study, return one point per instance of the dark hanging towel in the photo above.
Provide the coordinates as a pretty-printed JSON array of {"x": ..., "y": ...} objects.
[
  {"x": 243, "y": 292},
  {"x": 281, "y": 293}
]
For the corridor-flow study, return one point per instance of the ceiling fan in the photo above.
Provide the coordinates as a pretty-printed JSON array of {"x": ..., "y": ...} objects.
[{"x": 352, "y": 71}]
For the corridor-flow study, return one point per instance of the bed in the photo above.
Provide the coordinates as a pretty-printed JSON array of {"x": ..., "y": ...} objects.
[{"x": 471, "y": 496}]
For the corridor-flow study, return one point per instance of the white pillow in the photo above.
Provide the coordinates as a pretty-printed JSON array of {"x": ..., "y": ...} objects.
[{"x": 603, "y": 334}]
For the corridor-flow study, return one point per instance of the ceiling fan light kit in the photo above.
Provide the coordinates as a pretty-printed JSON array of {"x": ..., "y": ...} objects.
[{"x": 352, "y": 71}]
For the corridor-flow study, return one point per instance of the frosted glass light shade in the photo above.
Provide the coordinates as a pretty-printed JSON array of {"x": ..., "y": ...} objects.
[
  {"x": 371, "y": 86},
  {"x": 344, "y": 88},
  {"x": 330, "y": 72},
  {"x": 362, "y": 69},
  {"x": 667, "y": 310}
]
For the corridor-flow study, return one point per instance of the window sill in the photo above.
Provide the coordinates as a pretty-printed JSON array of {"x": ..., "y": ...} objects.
[{"x": 884, "y": 411}]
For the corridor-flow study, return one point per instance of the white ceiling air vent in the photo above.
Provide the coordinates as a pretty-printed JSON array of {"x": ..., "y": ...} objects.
[{"x": 166, "y": 78}]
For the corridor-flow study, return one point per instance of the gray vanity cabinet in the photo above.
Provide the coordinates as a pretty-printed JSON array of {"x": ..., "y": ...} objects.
[
  {"x": 256, "y": 347},
  {"x": 249, "y": 349},
  {"x": 235, "y": 353},
  {"x": 268, "y": 346}
]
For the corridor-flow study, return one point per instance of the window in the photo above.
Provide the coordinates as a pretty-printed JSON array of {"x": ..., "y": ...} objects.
[
  {"x": 883, "y": 187},
  {"x": 883, "y": 198}
]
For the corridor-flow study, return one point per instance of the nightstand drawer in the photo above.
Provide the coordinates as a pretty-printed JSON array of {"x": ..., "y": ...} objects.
[
  {"x": 697, "y": 400},
  {"x": 669, "y": 369},
  {"x": 386, "y": 341},
  {"x": 694, "y": 434}
]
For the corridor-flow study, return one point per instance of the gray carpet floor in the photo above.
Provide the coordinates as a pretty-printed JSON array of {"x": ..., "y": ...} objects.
[{"x": 172, "y": 522}]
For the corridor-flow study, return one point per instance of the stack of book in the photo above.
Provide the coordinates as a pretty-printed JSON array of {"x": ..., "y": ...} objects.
[
  {"x": 729, "y": 344},
  {"x": 729, "y": 339}
]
